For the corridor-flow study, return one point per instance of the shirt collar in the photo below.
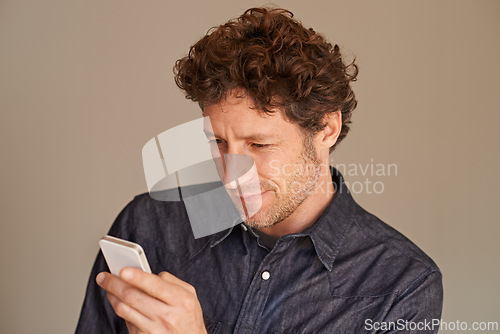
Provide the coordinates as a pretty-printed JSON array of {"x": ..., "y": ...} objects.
[
  {"x": 329, "y": 230},
  {"x": 218, "y": 237}
]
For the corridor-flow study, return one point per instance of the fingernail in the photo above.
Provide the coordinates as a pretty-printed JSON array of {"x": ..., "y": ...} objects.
[{"x": 99, "y": 278}]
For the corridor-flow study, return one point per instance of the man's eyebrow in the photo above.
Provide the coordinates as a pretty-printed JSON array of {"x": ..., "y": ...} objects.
[{"x": 255, "y": 137}]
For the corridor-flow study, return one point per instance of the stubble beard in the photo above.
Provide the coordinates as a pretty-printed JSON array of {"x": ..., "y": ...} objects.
[{"x": 298, "y": 188}]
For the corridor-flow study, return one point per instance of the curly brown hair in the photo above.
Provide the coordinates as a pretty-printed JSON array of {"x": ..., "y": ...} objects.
[{"x": 279, "y": 63}]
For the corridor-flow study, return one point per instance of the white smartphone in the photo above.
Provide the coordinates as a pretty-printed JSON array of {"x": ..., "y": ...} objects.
[{"x": 121, "y": 253}]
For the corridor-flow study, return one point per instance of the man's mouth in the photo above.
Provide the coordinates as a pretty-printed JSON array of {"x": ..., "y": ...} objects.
[
  {"x": 253, "y": 197},
  {"x": 247, "y": 196}
]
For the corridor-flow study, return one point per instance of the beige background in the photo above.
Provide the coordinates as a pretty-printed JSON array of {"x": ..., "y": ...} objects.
[{"x": 84, "y": 85}]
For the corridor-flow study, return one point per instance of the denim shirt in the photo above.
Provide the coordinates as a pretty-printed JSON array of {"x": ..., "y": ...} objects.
[{"x": 347, "y": 273}]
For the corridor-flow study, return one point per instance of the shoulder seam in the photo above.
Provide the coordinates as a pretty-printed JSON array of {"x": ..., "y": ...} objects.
[
  {"x": 416, "y": 281},
  {"x": 390, "y": 241}
]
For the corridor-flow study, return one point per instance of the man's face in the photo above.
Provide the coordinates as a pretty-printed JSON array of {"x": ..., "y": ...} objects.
[{"x": 286, "y": 161}]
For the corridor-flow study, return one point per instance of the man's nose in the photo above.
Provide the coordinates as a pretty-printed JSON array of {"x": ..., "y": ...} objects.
[
  {"x": 238, "y": 169},
  {"x": 235, "y": 148}
]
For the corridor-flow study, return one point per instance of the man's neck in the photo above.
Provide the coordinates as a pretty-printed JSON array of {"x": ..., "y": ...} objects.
[{"x": 309, "y": 211}]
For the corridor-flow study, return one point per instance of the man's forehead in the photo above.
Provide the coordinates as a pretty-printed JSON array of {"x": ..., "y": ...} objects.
[
  {"x": 251, "y": 124},
  {"x": 251, "y": 135}
]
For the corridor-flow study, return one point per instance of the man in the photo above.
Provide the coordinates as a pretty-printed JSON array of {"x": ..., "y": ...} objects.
[{"x": 310, "y": 260}]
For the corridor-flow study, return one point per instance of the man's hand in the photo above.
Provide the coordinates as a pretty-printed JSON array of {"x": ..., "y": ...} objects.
[{"x": 153, "y": 303}]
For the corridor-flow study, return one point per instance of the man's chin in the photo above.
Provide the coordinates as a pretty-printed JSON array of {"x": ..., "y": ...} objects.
[
  {"x": 259, "y": 224},
  {"x": 261, "y": 219}
]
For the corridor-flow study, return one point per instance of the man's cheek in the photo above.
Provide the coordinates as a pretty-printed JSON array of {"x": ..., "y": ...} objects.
[{"x": 274, "y": 168}]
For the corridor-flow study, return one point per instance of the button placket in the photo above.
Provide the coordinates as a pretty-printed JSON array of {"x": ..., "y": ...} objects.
[{"x": 258, "y": 292}]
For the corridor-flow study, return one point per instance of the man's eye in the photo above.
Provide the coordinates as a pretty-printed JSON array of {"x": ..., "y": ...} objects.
[
  {"x": 216, "y": 141},
  {"x": 260, "y": 145}
]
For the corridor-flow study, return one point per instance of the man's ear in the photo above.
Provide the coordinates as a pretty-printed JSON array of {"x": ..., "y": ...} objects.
[{"x": 333, "y": 124}]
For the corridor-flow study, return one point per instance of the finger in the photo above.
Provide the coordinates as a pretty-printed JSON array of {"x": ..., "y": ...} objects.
[
  {"x": 135, "y": 319},
  {"x": 168, "y": 277},
  {"x": 131, "y": 296},
  {"x": 168, "y": 289},
  {"x": 132, "y": 329}
]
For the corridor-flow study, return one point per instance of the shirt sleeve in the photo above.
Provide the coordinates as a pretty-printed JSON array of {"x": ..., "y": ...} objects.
[
  {"x": 418, "y": 309},
  {"x": 97, "y": 316}
]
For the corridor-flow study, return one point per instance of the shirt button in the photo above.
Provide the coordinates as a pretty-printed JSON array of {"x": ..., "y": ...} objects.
[
  {"x": 244, "y": 227},
  {"x": 266, "y": 275}
]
